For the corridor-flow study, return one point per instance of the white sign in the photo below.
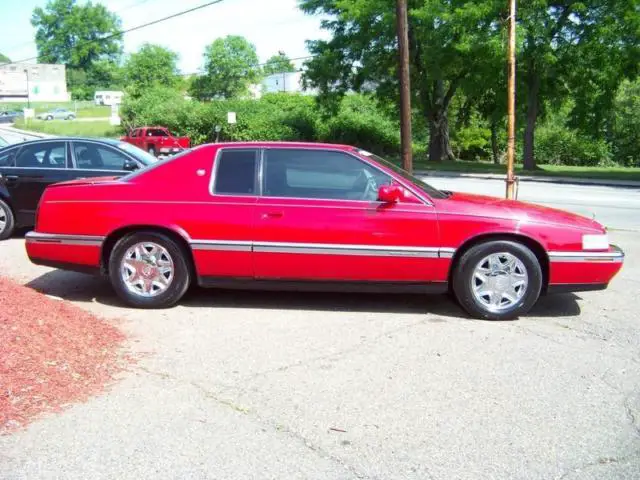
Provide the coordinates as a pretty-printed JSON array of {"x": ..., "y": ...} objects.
[
  {"x": 114, "y": 120},
  {"x": 29, "y": 112},
  {"x": 231, "y": 117}
]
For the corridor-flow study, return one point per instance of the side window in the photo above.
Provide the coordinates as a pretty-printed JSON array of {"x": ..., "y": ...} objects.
[
  {"x": 6, "y": 159},
  {"x": 322, "y": 174},
  {"x": 46, "y": 155},
  {"x": 235, "y": 172},
  {"x": 134, "y": 133},
  {"x": 92, "y": 156}
]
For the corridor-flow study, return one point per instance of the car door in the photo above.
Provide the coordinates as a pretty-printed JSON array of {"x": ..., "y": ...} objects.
[
  {"x": 95, "y": 159},
  {"x": 319, "y": 219},
  {"x": 36, "y": 166}
]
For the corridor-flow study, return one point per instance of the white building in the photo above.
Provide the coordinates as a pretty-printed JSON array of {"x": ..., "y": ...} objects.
[
  {"x": 290, "y": 82},
  {"x": 20, "y": 82}
]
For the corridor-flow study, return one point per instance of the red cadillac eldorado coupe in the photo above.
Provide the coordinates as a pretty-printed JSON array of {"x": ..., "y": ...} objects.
[{"x": 313, "y": 216}]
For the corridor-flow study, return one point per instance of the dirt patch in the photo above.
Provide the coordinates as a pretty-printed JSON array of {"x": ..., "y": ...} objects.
[{"x": 52, "y": 353}]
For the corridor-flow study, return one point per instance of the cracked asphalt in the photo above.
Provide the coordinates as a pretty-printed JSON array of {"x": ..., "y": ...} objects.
[{"x": 325, "y": 386}]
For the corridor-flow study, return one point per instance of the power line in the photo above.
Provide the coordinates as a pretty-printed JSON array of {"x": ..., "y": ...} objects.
[{"x": 132, "y": 29}]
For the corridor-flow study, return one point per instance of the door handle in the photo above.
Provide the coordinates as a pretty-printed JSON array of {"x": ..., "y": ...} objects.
[
  {"x": 266, "y": 216},
  {"x": 10, "y": 179}
]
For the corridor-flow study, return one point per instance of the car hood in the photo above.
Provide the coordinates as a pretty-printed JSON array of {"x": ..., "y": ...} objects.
[{"x": 483, "y": 205}]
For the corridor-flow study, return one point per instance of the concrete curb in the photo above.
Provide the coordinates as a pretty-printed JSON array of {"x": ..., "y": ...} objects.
[{"x": 533, "y": 178}]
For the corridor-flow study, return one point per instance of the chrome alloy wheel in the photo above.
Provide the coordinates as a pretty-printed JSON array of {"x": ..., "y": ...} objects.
[
  {"x": 499, "y": 281},
  {"x": 147, "y": 269},
  {"x": 3, "y": 219}
]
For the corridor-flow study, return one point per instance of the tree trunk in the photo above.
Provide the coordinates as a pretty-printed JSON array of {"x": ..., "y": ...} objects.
[
  {"x": 533, "y": 90},
  {"x": 494, "y": 142},
  {"x": 439, "y": 144}
]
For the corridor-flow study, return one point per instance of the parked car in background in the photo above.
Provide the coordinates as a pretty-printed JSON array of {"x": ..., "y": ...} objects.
[
  {"x": 311, "y": 216},
  {"x": 57, "y": 114},
  {"x": 10, "y": 116},
  {"x": 157, "y": 140},
  {"x": 26, "y": 169}
]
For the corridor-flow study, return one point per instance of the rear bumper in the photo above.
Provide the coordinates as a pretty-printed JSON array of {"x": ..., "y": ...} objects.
[{"x": 80, "y": 253}]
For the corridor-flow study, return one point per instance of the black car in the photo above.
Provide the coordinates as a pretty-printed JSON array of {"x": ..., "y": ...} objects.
[
  {"x": 26, "y": 169},
  {"x": 10, "y": 116}
]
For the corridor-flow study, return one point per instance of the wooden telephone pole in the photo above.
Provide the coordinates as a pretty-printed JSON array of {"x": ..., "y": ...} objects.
[
  {"x": 405, "y": 85},
  {"x": 511, "y": 100}
]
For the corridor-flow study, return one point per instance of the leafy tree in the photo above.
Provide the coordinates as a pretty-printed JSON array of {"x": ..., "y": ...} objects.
[
  {"x": 4, "y": 58},
  {"x": 279, "y": 63},
  {"x": 449, "y": 42},
  {"x": 626, "y": 128},
  {"x": 585, "y": 46},
  {"x": 231, "y": 66},
  {"x": 151, "y": 65}
]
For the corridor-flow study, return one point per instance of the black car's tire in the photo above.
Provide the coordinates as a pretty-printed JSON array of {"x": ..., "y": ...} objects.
[
  {"x": 7, "y": 220},
  {"x": 504, "y": 262},
  {"x": 133, "y": 295},
  {"x": 152, "y": 151}
]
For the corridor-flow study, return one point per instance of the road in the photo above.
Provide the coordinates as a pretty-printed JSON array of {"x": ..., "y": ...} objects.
[
  {"x": 614, "y": 207},
  {"x": 13, "y": 135},
  {"x": 324, "y": 386}
]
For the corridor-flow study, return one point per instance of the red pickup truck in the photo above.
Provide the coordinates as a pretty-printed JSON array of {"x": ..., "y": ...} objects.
[{"x": 157, "y": 140}]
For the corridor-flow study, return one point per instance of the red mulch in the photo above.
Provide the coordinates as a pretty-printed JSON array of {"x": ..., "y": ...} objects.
[{"x": 52, "y": 353}]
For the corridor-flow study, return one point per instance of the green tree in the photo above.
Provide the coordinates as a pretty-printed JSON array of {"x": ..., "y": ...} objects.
[
  {"x": 585, "y": 48},
  {"x": 449, "y": 40},
  {"x": 231, "y": 66},
  {"x": 151, "y": 65},
  {"x": 4, "y": 58},
  {"x": 279, "y": 63},
  {"x": 626, "y": 128}
]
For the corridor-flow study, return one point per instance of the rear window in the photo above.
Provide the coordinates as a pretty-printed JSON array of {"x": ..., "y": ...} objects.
[{"x": 236, "y": 172}]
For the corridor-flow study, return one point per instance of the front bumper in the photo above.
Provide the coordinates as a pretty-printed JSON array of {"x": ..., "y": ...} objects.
[{"x": 583, "y": 271}]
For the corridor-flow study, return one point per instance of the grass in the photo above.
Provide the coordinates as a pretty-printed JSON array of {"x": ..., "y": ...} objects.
[
  {"x": 71, "y": 128},
  {"x": 605, "y": 173},
  {"x": 84, "y": 109}
]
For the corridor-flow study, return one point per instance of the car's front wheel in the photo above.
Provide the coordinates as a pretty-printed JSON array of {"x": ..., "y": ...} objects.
[
  {"x": 7, "y": 222},
  {"x": 48, "y": 117},
  {"x": 149, "y": 270},
  {"x": 497, "y": 280}
]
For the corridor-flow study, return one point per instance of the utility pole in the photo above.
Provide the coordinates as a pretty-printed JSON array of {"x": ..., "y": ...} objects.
[
  {"x": 26, "y": 71},
  {"x": 405, "y": 86},
  {"x": 511, "y": 100}
]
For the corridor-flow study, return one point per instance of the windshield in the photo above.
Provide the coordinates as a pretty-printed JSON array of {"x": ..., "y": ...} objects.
[
  {"x": 145, "y": 157},
  {"x": 424, "y": 186}
]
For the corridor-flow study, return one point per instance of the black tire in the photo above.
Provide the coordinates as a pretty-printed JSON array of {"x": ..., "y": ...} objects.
[
  {"x": 9, "y": 221},
  {"x": 70, "y": 117},
  {"x": 152, "y": 151},
  {"x": 49, "y": 117},
  {"x": 181, "y": 277},
  {"x": 463, "y": 277}
]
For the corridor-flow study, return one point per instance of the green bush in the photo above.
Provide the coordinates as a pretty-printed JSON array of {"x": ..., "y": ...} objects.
[
  {"x": 472, "y": 143},
  {"x": 626, "y": 129},
  {"x": 560, "y": 145}
]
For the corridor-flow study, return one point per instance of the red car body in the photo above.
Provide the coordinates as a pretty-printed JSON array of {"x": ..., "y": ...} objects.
[
  {"x": 413, "y": 241},
  {"x": 156, "y": 140}
]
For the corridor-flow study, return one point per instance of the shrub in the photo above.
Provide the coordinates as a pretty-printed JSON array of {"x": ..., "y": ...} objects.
[{"x": 560, "y": 145}]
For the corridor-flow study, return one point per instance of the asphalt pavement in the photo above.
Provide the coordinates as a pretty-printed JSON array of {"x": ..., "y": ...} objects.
[{"x": 239, "y": 385}]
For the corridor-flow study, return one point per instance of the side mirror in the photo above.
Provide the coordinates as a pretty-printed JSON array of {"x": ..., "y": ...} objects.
[
  {"x": 130, "y": 166},
  {"x": 390, "y": 193}
]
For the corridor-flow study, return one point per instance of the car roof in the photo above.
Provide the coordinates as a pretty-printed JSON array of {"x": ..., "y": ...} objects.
[
  {"x": 109, "y": 141},
  {"x": 271, "y": 144}
]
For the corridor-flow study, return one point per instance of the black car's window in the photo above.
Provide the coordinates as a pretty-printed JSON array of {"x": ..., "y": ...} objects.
[
  {"x": 43, "y": 155},
  {"x": 235, "y": 172},
  {"x": 6, "y": 158},
  {"x": 322, "y": 174},
  {"x": 92, "y": 156}
]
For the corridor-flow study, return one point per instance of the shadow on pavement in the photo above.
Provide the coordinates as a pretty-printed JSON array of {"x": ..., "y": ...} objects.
[{"x": 86, "y": 288}]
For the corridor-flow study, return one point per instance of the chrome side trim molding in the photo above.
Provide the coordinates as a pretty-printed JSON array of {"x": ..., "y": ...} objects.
[
  {"x": 223, "y": 245},
  {"x": 323, "y": 249},
  {"x": 59, "y": 239},
  {"x": 617, "y": 256}
]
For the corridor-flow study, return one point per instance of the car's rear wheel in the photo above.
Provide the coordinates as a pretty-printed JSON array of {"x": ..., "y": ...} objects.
[
  {"x": 7, "y": 221},
  {"x": 149, "y": 270},
  {"x": 48, "y": 117},
  {"x": 70, "y": 117},
  {"x": 497, "y": 280},
  {"x": 152, "y": 151}
]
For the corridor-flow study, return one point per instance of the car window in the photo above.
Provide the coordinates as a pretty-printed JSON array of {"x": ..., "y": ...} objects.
[
  {"x": 134, "y": 133},
  {"x": 6, "y": 158},
  {"x": 235, "y": 172},
  {"x": 322, "y": 174},
  {"x": 157, "y": 132},
  {"x": 43, "y": 155},
  {"x": 93, "y": 156}
]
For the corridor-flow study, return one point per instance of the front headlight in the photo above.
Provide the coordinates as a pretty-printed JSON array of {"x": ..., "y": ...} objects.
[{"x": 595, "y": 242}]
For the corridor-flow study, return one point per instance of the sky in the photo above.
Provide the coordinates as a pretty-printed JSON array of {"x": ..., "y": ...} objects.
[{"x": 271, "y": 25}]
